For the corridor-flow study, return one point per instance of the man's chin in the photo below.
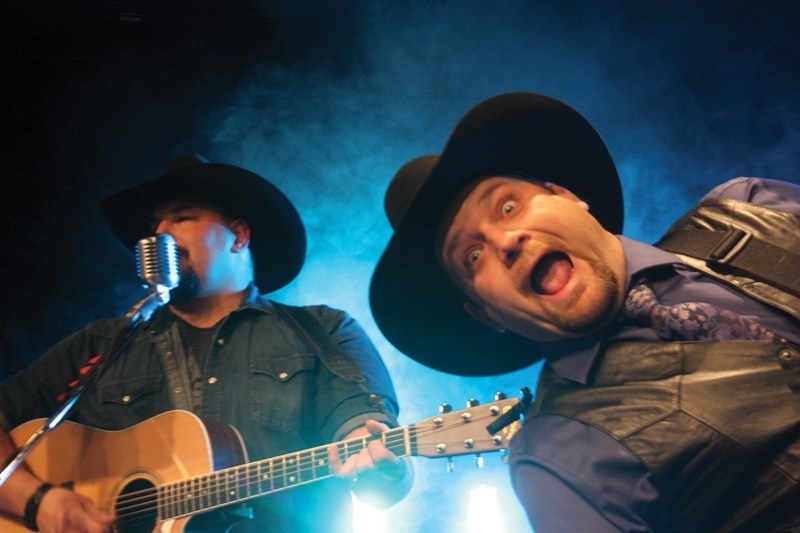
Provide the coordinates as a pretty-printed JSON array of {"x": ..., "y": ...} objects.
[
  {"x": 187, "y": 290},
  {"x": 593, "y": 311}
]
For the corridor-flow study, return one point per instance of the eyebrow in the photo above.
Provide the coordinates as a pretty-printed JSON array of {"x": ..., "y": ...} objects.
[{"x": 490, "y": 190}]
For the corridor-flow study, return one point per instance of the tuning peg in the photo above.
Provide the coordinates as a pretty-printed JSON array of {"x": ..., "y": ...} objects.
[
  {"x": 450, "y": 465},
  {"x": 527, "y": 397},
  {"x": 479, "y": 460},
  {"x": 499, "y": 396},
  {"x": 445, "y": 408},
  {"x": 472, "y": 402}
]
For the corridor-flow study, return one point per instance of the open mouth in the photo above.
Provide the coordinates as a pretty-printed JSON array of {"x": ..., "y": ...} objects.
[{"x": 551, "y": 273}]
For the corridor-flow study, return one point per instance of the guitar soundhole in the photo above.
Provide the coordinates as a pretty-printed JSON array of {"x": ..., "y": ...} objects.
[{"x": 136, "y": 508}]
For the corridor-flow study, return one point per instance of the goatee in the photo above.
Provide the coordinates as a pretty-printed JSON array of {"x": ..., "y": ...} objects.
[
  {"x": 187, "y": 290},
  {"x": 603, "y": 307}
]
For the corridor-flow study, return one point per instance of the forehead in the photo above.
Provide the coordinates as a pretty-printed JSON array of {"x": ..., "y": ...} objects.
[
  {"x": 482, "y": 190},
  {"x": 475, "y": 197}
]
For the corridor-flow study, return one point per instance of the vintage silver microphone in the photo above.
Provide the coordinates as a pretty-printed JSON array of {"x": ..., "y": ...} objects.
[{"x": 157, "y": 263}]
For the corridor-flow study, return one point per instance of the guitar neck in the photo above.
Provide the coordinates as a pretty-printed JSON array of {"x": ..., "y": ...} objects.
[{"x": 236, "y": 484}]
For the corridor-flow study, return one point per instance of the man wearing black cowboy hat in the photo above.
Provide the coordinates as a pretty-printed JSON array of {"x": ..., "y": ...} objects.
[
  {"x": 288, "y": 379},
  {"x": 668, "y": 400}
]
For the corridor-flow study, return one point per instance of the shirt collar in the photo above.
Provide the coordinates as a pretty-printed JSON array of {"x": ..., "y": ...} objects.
[{"x": 254, "y": 300}]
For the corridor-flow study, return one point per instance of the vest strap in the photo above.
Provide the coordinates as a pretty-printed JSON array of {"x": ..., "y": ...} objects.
[{"x": 740, "y": 250}]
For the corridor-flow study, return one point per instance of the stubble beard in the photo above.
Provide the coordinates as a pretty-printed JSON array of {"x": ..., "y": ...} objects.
[{"x": 598, "y": 312}]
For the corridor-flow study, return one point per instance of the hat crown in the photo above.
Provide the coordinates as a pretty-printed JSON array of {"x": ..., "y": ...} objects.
[
  {"x": 186, "y": 161},
  {"x": 516, "y": 133}
]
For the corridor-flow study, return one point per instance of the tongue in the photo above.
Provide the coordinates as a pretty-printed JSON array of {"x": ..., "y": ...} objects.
[{"x": 551, "y": 273}]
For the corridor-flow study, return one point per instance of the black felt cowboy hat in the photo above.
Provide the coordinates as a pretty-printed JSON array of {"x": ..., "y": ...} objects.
[
  {"x": 414, "y": 303},
  {"x": 278, "y": 238}
]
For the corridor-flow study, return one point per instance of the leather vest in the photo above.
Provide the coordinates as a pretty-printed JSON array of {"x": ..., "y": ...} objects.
[{"x": 716, "y": 423}]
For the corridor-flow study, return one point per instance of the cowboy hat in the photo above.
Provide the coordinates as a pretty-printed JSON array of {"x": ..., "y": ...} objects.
[
  {"x": 415, "y": 305},
  {"x": 278, "y": 238}
]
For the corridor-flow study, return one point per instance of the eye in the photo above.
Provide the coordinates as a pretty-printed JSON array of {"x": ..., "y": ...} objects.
[
  {"x": 507, "y": 207},
  {"x": 472, "y": 258}
]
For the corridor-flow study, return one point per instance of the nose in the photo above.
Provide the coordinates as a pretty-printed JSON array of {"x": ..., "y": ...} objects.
[
  {"x": 508, "y": 244},
  {"x": 162, "y": 227}
]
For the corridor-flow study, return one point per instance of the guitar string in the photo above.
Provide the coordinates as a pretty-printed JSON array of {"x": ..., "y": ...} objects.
[{"x": 220, "y": 484}]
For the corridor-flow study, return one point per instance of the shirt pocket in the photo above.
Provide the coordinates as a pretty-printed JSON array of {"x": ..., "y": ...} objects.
[
  {"x": 282, "y": 390},
  {"x": 126, "y": 402}
]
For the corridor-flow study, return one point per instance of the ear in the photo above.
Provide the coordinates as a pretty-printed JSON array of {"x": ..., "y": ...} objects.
[
  {"x": 566, "y": 193},
  {"x": 241, "y": 232},
  {"x": 478, "y": 314}
]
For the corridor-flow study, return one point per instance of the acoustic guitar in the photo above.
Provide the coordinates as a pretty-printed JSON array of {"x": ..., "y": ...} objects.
[{"x": 159, "y": 474}]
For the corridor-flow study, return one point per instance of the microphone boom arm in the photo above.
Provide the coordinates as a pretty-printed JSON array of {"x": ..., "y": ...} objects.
[{"x": 134, "y": 319}]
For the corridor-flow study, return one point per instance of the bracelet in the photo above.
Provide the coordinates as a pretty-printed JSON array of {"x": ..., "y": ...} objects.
[{"x": 32, "y": 507}]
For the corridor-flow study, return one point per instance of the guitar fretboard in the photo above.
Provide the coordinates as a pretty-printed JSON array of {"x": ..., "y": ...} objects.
[{"x": 240, "y": 483}]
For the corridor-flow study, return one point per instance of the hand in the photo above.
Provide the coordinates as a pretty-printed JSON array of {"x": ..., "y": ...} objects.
[
  {"x": 374, "y": 457},
  {"x": 378, "y": 476},
  {"x": 65, "y": 511}
]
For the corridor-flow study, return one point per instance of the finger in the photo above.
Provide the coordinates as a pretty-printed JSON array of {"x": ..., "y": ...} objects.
[
  {"x": 380, "y": 453},
  {"x": 352, "y": 465},
  {"x": 99, "y": 516},
  {"x": 334, "y": 461},
  {"x": 363, "y": 461},
  {"x": 375, "y": 428}
]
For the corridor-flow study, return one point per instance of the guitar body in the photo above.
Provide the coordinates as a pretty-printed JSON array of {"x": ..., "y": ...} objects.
[{"x": 104, "y": 465}]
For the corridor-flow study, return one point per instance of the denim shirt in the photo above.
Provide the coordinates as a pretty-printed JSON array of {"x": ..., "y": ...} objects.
[{"x": 260, "y": 377}]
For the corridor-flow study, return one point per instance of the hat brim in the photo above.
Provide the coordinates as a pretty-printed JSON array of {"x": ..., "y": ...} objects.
[
  {"x": 413, "y": 302},
  {"x": 278, "y": 238}
]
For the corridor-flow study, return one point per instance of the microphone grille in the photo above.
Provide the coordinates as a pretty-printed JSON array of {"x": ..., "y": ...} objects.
[{"x": 157, "y": 261}]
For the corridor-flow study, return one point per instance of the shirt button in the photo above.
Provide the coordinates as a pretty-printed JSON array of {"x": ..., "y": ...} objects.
[
  {"x": 126, "y": 399},
  {"x": 221, "y": 342},
  {"x": 283, "y": 376},
  {"x": 212, "y": 380}
]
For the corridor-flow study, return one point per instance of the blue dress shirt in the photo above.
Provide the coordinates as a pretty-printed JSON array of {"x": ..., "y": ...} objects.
[{"x": 570, "y": 476}]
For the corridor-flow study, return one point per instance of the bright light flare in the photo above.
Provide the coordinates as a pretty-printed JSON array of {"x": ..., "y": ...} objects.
[
  {"x": 484, "y": 511},
  {"x": 368, "y": 519}
]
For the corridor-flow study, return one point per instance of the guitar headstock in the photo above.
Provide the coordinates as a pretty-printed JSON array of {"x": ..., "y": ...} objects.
[{"x": 465, "y": 432}]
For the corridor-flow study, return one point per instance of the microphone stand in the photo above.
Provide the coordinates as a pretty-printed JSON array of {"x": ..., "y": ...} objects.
[{"x": 135, "y": 318}]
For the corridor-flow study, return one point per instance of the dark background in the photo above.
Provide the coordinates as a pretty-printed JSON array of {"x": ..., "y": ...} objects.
[{"x": 327, "y": 100}]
